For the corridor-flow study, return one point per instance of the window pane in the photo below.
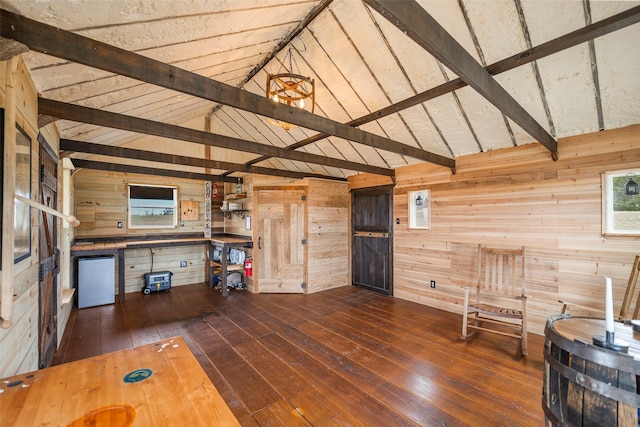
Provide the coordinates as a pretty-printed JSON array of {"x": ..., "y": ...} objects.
[
  {"x": 152, "y": 207},
  {"x": 621, "y": 210}
]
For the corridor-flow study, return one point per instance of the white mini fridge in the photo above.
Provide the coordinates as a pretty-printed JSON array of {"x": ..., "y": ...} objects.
[{"x": 96, "y": 281}]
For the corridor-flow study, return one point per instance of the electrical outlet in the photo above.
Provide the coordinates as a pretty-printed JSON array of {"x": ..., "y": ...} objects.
[
  {"x": 183, "y": 263},
  {"x": 433, "y": 283}
]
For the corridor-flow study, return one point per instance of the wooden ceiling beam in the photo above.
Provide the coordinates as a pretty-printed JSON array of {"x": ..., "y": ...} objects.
[
  {"x": 142, "y": 170},
  {"x": 97, "y": 117},
  {"x": 411, "y": 18},
  {"x": 53, "y": 41},
  {"x": 574, "y": 38},
  {"x": 152, "y": 156}
]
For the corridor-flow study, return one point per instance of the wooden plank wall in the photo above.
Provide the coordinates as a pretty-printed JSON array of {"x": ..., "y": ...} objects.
[
  {"x": 19, "y": 343},
  {"x": 328, "y": 235},
  {"x": 327, "y": 229},
  {"x": 518, "y": 196},
  {"x": 101, "y": 201},
  {"x": 165, "y": 258}
]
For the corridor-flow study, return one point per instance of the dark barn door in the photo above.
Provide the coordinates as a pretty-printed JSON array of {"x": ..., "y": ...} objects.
[
  {"x": 49, "y": 257},
  {"x": 371, "y": 213}
]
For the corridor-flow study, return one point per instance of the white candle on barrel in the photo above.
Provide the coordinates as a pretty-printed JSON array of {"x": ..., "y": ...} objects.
[{"x": 609, "y": 306}]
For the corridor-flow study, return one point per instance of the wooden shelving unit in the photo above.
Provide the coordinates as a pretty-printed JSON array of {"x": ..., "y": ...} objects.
[{"x": 230, "y": 267}]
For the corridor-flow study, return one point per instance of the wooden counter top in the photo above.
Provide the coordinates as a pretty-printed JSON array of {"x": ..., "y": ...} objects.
[
  {"x": 117, "y": 248},
  {"x": 106, "y": 246},
  {"x": 150, "y": 385}
]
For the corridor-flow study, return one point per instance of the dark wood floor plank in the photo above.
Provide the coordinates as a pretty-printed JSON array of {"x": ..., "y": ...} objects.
[
  {"x": 115, "y": 334},
  {"x": 346, "y": 356},
  {"x": 61, "y": 354},
  {"x": 231, "y": 397},
  {"x": 391, "y": 375},
  {"x": 353, "y": 399},
  {"x": 279, "y": 414},
  {"x": 417, "y": 357},
  {"x": 300, "y": 394},
  {"x": 256, "y": 392}
]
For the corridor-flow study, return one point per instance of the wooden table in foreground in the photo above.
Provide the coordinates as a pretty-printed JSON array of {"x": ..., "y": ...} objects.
[{"x": 156, "y": 384}]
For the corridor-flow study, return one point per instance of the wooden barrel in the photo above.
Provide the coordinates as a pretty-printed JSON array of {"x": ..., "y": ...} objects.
[{"x": 587, "y": 385}]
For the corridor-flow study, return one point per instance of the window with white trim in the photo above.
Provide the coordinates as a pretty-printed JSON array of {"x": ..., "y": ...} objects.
[{"x": 620, "y": 206}]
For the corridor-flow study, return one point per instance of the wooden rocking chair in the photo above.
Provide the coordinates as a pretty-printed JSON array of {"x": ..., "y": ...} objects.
[{"x": 499, "y": 305}]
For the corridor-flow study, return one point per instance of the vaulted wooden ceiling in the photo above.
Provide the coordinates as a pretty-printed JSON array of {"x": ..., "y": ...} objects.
[{"x": 179, "y": 87}]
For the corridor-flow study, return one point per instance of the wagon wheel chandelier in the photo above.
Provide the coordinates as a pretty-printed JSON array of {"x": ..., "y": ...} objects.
[{"x": 290, "y": 87}]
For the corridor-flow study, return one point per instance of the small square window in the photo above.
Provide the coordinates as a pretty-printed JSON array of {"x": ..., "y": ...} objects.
[{"x": 621, "y": 202}]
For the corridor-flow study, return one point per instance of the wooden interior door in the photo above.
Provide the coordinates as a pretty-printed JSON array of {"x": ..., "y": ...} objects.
[
  {"x": 371, "y": 245},
  {"x": 281, "y": 252},
  {"x": 49, "y": 258}
]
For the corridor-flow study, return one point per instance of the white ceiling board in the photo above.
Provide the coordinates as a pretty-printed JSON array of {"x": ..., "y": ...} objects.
[
  {"x": 486, "y": 120},
  {"x": 424, "y": 129},
  {"x": 77, "y": 14},
  {"x": 619, "y": 86},
  {"x": 375, "y": 52},
  {"x": 497, "y": 28},
  {"x": 417, "y": 63},
  {"x": 347, "y": 58},
  {"x": 360, "y": 62},
  {"x": 570, "y": 91},
  {"x": 333, "y": 92},
  {"x": 454, "y": 129},
  {"x": 396, "y": 127},
  {"x": 548, "y": 20},
  {"x": 522, "y": 86}
]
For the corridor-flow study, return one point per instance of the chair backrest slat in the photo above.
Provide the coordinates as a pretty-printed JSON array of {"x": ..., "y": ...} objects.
[{"x": 501, "y": 271}]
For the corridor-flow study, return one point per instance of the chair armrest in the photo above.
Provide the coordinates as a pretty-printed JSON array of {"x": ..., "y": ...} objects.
[{"x": 567, "y": 304}]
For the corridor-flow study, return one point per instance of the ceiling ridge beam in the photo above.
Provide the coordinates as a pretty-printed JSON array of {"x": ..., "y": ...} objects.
[
  {"x": 412, "y": 19},
  {"x": 153, "y": 156},
  {"x": 77, "y": 113},
  {"x": 590, "y": 32},
  {"x": 53, "y": 41}
]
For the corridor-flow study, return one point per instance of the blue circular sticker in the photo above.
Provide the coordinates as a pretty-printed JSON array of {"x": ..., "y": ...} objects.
[{"x": 137, "y": 375}]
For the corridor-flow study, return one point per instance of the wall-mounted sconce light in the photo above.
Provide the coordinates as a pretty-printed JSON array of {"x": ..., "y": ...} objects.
[
  {"x": 419, "y": 200},
  {"x": 631, "y": 187}
]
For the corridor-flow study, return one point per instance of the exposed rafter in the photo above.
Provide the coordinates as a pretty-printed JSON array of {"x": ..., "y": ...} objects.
[
  {"x": 588, "y": 33},
  {"x": 152, "y": 156},
  {"x": 93, "y": 116},
  {"x": 142, "y": 170},
  {"x": 73, "y": 47},
  {"x": 416, "y": 23}
]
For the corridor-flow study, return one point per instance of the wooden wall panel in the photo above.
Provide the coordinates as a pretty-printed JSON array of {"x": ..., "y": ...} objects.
[
  {"x": 138, "y": 263},
  {"x": 518, "y": 196},
  {"x": 328, "y": 261},
  {"x": 19, "y": 343},
  {"x": 101, "y": 202}
]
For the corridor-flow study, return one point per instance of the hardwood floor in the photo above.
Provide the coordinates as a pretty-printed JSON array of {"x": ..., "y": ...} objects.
[{"x": 346, "y": 356}]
